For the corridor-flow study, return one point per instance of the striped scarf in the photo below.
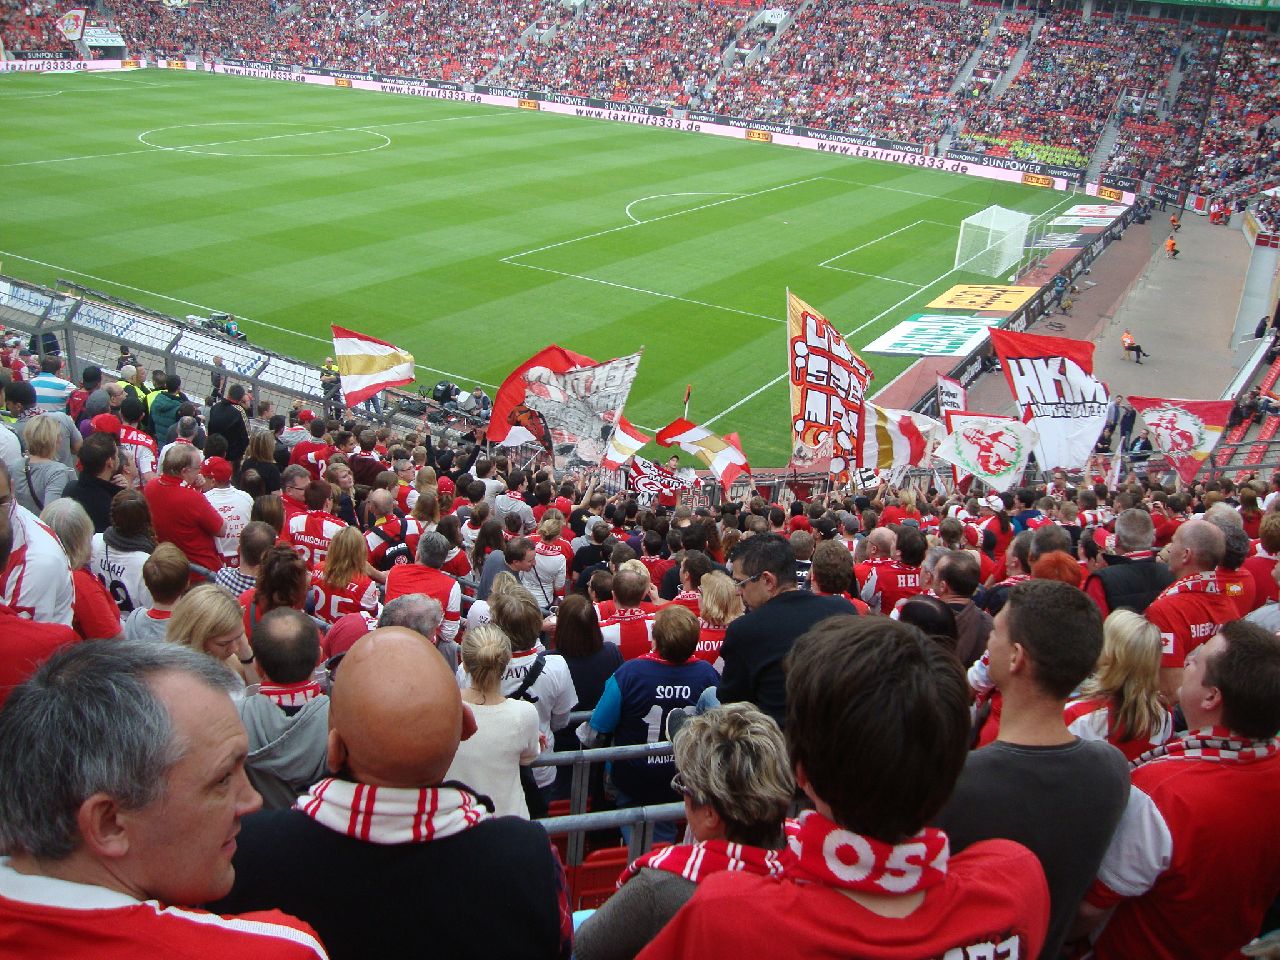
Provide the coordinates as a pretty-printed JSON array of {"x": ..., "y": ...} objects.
[
  {"x": 1212, "y": 743},
  {"x": 391, "y": 815},
  {"x": 820, "y": 851},
  {"x": 1206, "y": 582},
  {"x": 697, "y": 861},
  {"x": 291, "y": 694}
]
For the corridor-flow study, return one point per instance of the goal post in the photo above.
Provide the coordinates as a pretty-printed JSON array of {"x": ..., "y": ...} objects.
[{"x": 992, "y": 241}]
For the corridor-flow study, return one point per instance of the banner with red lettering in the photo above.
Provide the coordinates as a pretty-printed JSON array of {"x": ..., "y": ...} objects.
[
  {"x": 828, "y": 385},
  {"x": 1052, "y": 380},
  {"x": 1185, "y": 431},
  {"x": 652, "y": 479}
]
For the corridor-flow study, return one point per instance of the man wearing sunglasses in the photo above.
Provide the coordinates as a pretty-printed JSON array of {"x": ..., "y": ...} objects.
[{"x": 764, "y": 571}]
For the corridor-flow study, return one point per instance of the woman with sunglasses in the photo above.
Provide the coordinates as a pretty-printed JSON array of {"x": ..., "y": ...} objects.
[{"x": 735, "y": 778}]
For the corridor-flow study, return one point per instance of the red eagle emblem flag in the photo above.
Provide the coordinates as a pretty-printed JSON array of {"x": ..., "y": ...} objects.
[{"x": 1185, "y": 431}]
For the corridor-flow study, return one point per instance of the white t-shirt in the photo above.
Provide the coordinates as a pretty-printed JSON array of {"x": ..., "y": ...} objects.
[
  {"x": 121, "y": 573},
  {"x": 234, "y": 506},
  {"x": 489, "y": 761},
  {"x": 36, "y": 583},
  {"x": 553, "y": 688}
]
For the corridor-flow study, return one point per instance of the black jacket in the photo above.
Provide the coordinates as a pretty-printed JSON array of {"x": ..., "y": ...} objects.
[
  {"x": 227, "y": 420},
  {"x": 1131, "y": 584},
  {"x": 95, "y": 495},
  {"x": 490, "y": 891},
  {"x": 756, "y": 644}
]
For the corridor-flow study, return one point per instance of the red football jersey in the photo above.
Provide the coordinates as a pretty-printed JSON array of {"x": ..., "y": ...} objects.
[
  {"x": 330, "y": 602},
  {"x": 310, "y": 533}
]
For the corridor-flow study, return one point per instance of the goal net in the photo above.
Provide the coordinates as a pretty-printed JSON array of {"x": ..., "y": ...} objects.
[{"x": 992, "y": 241}]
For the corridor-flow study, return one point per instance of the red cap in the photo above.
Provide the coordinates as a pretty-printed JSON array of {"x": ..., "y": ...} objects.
[
  {"x": 306, "y": 416},
  {"x": 216, "y": 469},
  {"x": 564, "y": 505},
  {"x": 971, "y": 534},
  {"x": 106, "y": 423},
  {"x": 445, "y": 485}
]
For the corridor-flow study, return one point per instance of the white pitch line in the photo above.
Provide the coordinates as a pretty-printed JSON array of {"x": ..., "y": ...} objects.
[
  {"x": 862, "y": 326},
  {"x": 876, "y": 276},
  {"x": 665, "y": 216},
  {"x": 914, "y": 193},
  {"x": 240, "y": 317},
  {"x": 652, "y": 293},
  {"x": 862, "y": 246},
  {"x": 659, "y": 196}
]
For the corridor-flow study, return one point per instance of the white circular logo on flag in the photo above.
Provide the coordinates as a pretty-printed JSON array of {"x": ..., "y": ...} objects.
[{"x": 1175, "y": 430}]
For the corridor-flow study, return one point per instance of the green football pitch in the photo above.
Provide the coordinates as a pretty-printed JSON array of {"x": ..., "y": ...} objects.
[{"x": 473, "y": 236}]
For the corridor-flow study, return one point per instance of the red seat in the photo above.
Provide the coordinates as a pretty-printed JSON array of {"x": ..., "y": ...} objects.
[{"x": 595, "y": 881}]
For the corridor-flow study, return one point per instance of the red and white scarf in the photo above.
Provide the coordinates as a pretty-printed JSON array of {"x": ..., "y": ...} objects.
[
  {"x": 390, "y": 815},
  {"x": 819, "y": 851},
  {"x": 1016, "y": 578},
  {"x": 697, "y": 861},
  {"x": 1218, "y": 744},
  {"x": 291, "y": 694},
  {"x": 1206, "y": 582}
]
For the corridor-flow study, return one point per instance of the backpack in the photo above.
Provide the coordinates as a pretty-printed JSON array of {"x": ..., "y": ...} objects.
[{"x": 397, "y": 551}]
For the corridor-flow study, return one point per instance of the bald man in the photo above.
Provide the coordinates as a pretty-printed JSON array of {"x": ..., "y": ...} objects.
[{"x": 384, "y": 859}]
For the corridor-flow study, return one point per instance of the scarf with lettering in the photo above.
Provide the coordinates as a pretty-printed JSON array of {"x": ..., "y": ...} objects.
[
  {"x": 1218, "y": 744},
  {"x": 390, "y": 815},
  {"x": 1206, "y": 582},
  {"x": 698, "y": 861},
  {"x": 291, "y": 694},
  {"x": 819, "y": 851}
]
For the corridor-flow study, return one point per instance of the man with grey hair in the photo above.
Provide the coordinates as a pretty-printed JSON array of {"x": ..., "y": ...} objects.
[
  {"x": 424, "y": 615},
  {"x": 1132, "y": 577},
  {"x": 180, "y": 513},
  {"x": 392, "y": 538},
  {"x": 122, "y": 783},
  {"x": 1236, "y": 584},
  {"x": 1193, "y": 608},
  {"x": 427, "y": 578}
]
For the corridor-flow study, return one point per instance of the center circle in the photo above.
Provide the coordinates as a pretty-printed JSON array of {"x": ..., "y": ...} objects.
[{"x": 234, "y": 138}]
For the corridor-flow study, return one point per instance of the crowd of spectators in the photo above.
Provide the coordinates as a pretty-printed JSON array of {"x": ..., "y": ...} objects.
[
  {"x": 1069, "y": 85},
  {"x": 243, "y": 29},
  {"x": 647, "y": 51},
  {"x": 29, "y": 26},
  {"x": 873, "y": 68},
  {"x": 370, "y": 633}
]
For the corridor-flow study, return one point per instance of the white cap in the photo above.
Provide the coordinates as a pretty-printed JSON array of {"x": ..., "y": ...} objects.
[{"x": 993, "y": 502}]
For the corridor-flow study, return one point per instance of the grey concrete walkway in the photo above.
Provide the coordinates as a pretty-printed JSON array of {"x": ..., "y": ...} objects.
[{"x": 1182, "y": 311}]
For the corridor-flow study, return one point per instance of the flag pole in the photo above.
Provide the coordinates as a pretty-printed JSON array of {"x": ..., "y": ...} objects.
[{"x": 688, "y": 391}]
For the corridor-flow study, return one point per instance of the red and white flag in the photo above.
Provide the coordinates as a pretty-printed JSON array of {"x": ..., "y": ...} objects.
[
  {"x": 1052, "y": 380},
  {"x": 828, "y": 385},
  {"x": 369, "y": 365},
  {"x": 558, "y": 397},
  {"x": 895, "y": 438},
  {"x": 625, "y": 443},
  {"x": 993, "y": 449},
  {"x": 71, "y": 24},
  {"x": 951, "y": 394},
  {"x": 722, "y": 455},
  {"x": 1185, "y": 431},
  {"x": 653, "y": 479}
]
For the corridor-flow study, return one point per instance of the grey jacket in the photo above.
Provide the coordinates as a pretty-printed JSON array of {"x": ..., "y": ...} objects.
[{"x": 286, "y": 753}]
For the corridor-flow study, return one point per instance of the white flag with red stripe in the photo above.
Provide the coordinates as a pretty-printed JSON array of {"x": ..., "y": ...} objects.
[
  {"x": 895, "y": 438},
  {"x": 369, "y": 365},
  {"x": 722, "y": 455},
  {"x": 625, "y": 443}
]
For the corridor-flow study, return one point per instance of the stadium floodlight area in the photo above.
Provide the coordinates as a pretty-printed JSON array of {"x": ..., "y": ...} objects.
[{"x": 992, "y": 241}]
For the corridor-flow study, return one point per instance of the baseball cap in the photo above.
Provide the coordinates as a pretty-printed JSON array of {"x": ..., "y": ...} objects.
[
  {"x": 306, "y": 416},
  {"x": 106, "y": 423},
  {"x": 216, "y": 469},
  {"x": 993, "y": 501}
]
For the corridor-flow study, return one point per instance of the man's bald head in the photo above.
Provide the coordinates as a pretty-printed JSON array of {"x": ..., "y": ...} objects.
[
  {"x": 1197, "y": 547},
  {"x": 380, "y": 502},
  {"x": 395, "y": 714},
  {"x": 883, "y": 540}
]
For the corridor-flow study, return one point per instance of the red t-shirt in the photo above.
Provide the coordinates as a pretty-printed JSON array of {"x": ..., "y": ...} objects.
[
  {"x": 993, "y": 903},
  {"x": 310, "y": 533},
  {"x": 408, "y": 578},
  {"x": 710, "y": 638},
  {"x": 1260, "y": 568},
  {"x": 690, "y": 599},
  {"x": 312, "y": 454},
  {"x": 330, "y": 602},
  {"x": 630, "y": 630},
  {"x": 1239, "y": 588},
  {"x": 1186, "y": 620},
  {"x": 27, "y": 644},
  {"x": 1195, "y": 862},
  {"x": 657, "y": 567},
  {"x": 885, "y": 582},
  {"x": 94, "y": 615},
  {"x": 182, "y": 516}
]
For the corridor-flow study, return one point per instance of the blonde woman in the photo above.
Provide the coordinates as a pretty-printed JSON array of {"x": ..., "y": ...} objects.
[
  {"x": 41, "y": 477},
  {"x": 209, "y": 619},
  {"x": 343, "y": 586},
  {"x": 721, "y": 605},
  {"x": 343, "y": 484},
  {"x": 506, "y": 730},
  {"x": 734, "y": 775},
  {"x": 426, "y": 509},
  {"x": 1120, "y": 703}
]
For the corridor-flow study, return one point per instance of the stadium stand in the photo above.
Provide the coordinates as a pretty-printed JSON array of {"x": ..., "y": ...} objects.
[{"x": 27, "y": 26}]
